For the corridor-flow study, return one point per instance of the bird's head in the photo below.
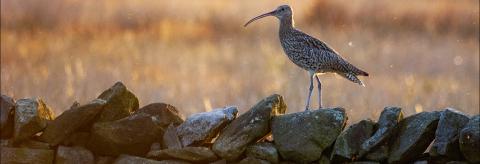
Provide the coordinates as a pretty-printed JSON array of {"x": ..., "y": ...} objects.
[{"x": 282, "y": 12}]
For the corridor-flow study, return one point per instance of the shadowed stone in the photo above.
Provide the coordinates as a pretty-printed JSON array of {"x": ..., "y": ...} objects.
[
  {"x": 263, "y": 150},
  {"x": 192, "y": 154},
  {"x": 470, "y": 140},
  {"x": 347, "y": 145},
  {"x": 415, "y": 133},
  {"x": 302, "y": 137},
  {"x": 203, "y": 127},
  {"x": 253, "y": 160},
  {"x": 77, "y": 139},
  {"x": 248, "y": 128},
  {"x": 166, "y": 113},
  {"x": 128, "y": 159},
  {"x": 26, "y": 155},
  {"x": 74, "y": 155},
  {"x": 7, "y": 109},
  {"x": 379, "y": 153},
  {"x": 120, "y": 103},
  {"x": 387, "y": 122},
  {"x": 447, "y": 134},
  {"x": 70, "y": 121},
  {"x": 130, "y": 135},
  {"x": 31, "y": 116},
  {"x": 104, "y": 160},
  {"x": 170, "y": 138}
]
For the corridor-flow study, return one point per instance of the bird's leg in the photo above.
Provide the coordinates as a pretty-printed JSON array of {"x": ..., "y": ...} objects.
[
  {"x": 309, "y": 90},
  {"x": 319, "y": 87}
]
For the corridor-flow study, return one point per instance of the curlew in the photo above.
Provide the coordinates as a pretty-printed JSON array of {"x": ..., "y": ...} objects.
[{"x": 309, "y": 53}]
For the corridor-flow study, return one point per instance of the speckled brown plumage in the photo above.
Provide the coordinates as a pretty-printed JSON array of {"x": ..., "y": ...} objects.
[{"x": 310, "y": 53}]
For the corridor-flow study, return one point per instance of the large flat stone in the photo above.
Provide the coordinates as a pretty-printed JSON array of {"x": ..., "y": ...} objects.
[
  {"x": 70, "y": 121},
  {"x": 248, "y": 128},
  {"x": 447, "y": 134},
  {"x": 192, "y": 154},
  {"x": 31, "y": 116},
  {"x": 74, "y": 155},
  {"x": 302, "y": 137},
  {"x": 26, "y": 155},
  {"x": 203, "y": 127},
  {"x": 415, "y": 133}
]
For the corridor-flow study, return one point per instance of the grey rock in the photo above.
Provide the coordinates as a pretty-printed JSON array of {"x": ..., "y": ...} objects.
[
  {"x": 170, "y": 138},
  {"x": 130, "y": 135},
  {"x": 74, "y": 155},
  {"x": 192, "y": 154},
  {"x": 447, "y": 134},
  {"x": 248, "y": 128},
  {"x": 31, "y": 116},
  {"x": 128, "y": 159},
  {"x": 415, "y": 134},
  {"x": 348, "y": 143},
  {"x": 203, "y": 127},
  {"x": 253, "y": 160},
  {"x": 389, "y": 119},
  {"x": 263, "y": 150},
  {"x": 303, "y": 136},
  {"x": 166, "y": 113},
  {"x": 70, "y": 121},
  {"x": 379, "y": 153},
  {"x": 470, "y": 140},
  {"x": 120, "y": 103},
  {"x": 26, "y": 155},
  {"x": 7, "y": 109}
]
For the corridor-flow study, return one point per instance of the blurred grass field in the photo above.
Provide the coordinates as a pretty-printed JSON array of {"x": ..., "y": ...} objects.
[{"x": 196, "y": 55}]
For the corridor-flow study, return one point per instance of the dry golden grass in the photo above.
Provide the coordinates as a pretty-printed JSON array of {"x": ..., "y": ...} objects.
[{"x": 197, "y": 55}]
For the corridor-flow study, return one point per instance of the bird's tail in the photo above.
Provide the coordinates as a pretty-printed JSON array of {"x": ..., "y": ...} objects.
[{"x": 353, "y": 78}]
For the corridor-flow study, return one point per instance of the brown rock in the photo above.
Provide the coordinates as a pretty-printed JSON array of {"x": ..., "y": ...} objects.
[
  {"x": 128, "y": 159},
  {"x": 7, "y": 109},
  {"x": 74, "y": 155},
  {"x": 71, "y": 120},
  {"x": 77, "y": 139},
  {"x": 25, "y": 155},
  {"x": 348, "y": 143},
  {"x": 120, "y": 103},
  {"x": 166, "y": 113},
  {"x": 252, "y": 160},
  {"x": 31, "y": 116}
]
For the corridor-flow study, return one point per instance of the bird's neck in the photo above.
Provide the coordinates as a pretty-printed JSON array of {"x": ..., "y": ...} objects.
[{"x": 286, "y": 24}]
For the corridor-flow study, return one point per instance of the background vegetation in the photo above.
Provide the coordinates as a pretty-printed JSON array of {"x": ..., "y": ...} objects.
[{"x": 196, "y": 55}]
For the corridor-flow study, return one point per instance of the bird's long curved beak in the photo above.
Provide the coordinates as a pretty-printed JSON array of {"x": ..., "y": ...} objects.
[{"x": 259, "y": 17}]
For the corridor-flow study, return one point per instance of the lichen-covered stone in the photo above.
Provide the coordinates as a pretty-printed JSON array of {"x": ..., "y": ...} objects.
[
  {"x": 192, "y": 154},
  {"x": 415, "y": 133},
  {"x": 74, "y": 155},
  {"x": 248, "y": 127},
  {"x": 447, "y": 134},
  {"x": 26, "y": 155},
  {"x": 303, "y": 136},
  {"x": 70, "y": 121},
  {"x": 31, "y": 116},
  {"x": 166, "y": 113},
  {"x": 7, "y": 109},
  {"x": 470, "y": 140},
  {"x": 130, "y": 135},
  {"x": 263, "y": 150},
  {"x": 203, "y": 127},
  {"x": 120, "y": 103},
  {"x": 348, "y": 143},
  {"x": 387, "y": 123}
]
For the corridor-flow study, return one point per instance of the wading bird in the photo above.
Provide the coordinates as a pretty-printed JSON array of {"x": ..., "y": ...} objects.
[{"x": 310, "y": 53}]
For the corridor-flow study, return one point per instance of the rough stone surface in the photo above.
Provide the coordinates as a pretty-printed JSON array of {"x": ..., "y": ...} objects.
[
  {"x": 389, "y": 119},
  {"x": 324, "y": 160},
  {"x": 263, "y": 150},
  {"x": 70, "y": 121},
  {"x": 301, "y": 137},
  {"x": 31, "y": 116},
  {"x": 348, "y": 143},
  {"x": 7, "y": 109},
  {"x": 446, "y": 137},
  {"x": 379, "y": 153},
  {"x": 130, "y": 135},
  {"x": 470, "y": 140},
  {"x": 104, "y": 160},
  {"x": 203, "y": 127},
  {"x": 120, "y": 103},
  {"x": 25, "y": 155},
  {"x": 32, "y": 144},
  {"x": 128, "y": 159},
  {"x": 253, "y": 160},
  {"x": 170, "y": 138},
  {"x": 248, "y": 128},
  {"x": 415, "y": 133},
  {"x": 192, "y": 154},
  {"x": 77, "y": 139},
  {"x": 74, "y": 155},
  {"x": 166, "y": 113}
]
